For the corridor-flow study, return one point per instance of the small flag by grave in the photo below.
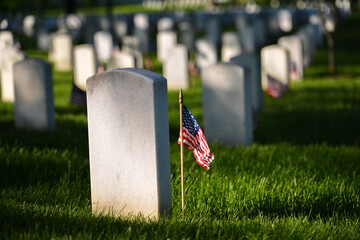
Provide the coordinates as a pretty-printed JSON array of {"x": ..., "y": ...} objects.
[
  {"x": 194, "y": 138},
  {"x": 276, "y": 89}
]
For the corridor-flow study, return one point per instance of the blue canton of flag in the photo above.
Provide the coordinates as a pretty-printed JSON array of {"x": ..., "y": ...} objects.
[{"x": 193, "y": 138}]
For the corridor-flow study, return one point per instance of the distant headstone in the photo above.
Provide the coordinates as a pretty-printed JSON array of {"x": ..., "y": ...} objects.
[
  {"x": 84, "y": 64},
  {"x": 187, "y": 35},
  {"x": 34, "y": 98},
  {"x": 9, "y": 57},
  {"x": 165, "y": 24},
  {"x": 129, "y": 143},
  {"x": 176, "y": 68},
  {"x": 252, "y": 61},
  {"x": 214, "y": 30},
  {"x": 29, "y": 25},
  {"x": 44, "y": 39},
  {"x": 275, "y": 67},
  {"x": 131, "y": 44},
  {"x": 121, "y": 28},
  {"x": 62, "y": 52},
  {"x": 306, "y": 43},
  {"x": 103, "y": 45},
  {"x": 6, "y": 39},
  {"x": 260, "y": 33},
  {"x": 165, "y": 41},
  {"x": 141, "y": 31},
  {"x": 121, "y": 59},
  {"x": 285, "y": 20},
  {"x": 227, "y": 104},
  {"x": 294, "y": 46},
  {"x": 230, "y": 46},
  {"x": 248, "y": 41},
  {"x": 205, "y": 53}
]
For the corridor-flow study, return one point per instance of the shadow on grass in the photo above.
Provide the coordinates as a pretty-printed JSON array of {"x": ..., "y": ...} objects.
[{"x": 312, "y": 116}]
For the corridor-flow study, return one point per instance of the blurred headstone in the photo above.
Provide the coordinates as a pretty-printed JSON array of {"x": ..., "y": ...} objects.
[
  {"x": 103, "y": 43},
  {"x": 165, "y": 41},
  {"x": 62, "y": 52},
  {"x": 230, "y": 46},
  {"x": 176, "y": 68},
  {"x": 84, "y": 64},
  {"x": 34, "y": 97},
  {"x": 275, "y": 74},
  {"x": 206, "y": 54},
  {"x": 227, "y": 106},
  {"x": 294, "y": 46},
  {"x": 252, "y": 61},
  {"x": 9, "y": 57}
]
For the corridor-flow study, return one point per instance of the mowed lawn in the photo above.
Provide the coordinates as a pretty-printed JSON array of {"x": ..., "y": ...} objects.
[{"x": 299, "y": 180}]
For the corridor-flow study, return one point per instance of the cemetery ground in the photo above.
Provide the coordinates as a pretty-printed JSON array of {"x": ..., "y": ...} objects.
[{"x": 300, "y": 179}]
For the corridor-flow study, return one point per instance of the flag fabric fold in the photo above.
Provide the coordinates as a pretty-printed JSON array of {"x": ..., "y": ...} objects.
[
  {"x": 275, "y": 88},
  {"x": 193, "y": 138}
]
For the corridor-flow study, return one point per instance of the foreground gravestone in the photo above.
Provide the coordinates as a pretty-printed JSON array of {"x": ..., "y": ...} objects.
[
  {"x": 84, "y": 64},
  {"x": 275, "y": 68},
  {"x": 62, "y": 52},
  {"x": 6, "y": 39},
  {"x": 252, "y": 61},
  {"x": 227, "y": 104},
  {"x": 9, "y": 58},
  {"x": 129, "y": 143},
  {"x": 34, "y": 98},
  {"x": 230, "y": 46},
  {"x": 165, "y": 41},
  {"x": 176, "y": 68},
  {"x": 294, "y": 46}
]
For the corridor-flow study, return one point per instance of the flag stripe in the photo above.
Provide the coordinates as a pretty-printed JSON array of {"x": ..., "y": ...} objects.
[{"x": 194, "y": 138}]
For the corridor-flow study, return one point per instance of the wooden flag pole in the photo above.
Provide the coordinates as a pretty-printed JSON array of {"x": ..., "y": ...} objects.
[{"x": 182, "y": 153}]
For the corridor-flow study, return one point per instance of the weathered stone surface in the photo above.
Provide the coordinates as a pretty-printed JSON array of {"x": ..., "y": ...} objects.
[{"x": 129, "y": 143}]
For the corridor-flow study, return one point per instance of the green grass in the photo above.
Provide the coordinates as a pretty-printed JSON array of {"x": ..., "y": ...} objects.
[{"x": 300, "y": 179}]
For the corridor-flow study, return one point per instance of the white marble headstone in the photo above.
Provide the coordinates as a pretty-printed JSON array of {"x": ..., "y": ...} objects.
[
  {"x": 121, "y": 59},
  {"x": 84, "y": 64},
  {"x": 62, "y": 52},
  {"x": 6, "y": 39},
  {"x": 227, "y": 106},
  {"x": 275, "y": 63},
  {"x": 294, "y": 46},
  {"x": 206, "y": 54},
  {"x": 129, "y": 145},
  {"x": 34, "y": 95},
  {"x": 252, "y": 61},
  {"x": 103, "y": 45},
  {"x": 176, "y": 68},
  {"x": 165, "y": 41},
  {"x": 9, "y": 57},
  {"x": 230, "y": 46}
]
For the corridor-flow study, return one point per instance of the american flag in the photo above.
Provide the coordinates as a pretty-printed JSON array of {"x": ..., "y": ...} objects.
[
  {"x": 275, "y": 87},
  {"x": 293, "y": 71},
  {"x": 78, "y": 96},
  {"x": 193, "y": 138}
]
